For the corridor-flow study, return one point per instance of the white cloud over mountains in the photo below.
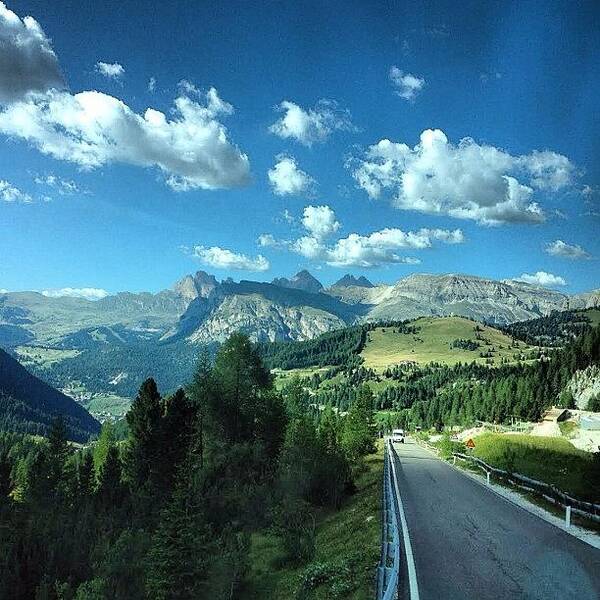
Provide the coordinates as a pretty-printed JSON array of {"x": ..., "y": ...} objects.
[
  {"x": 313, "y": 125},
  {"x": 406, "y": 85},
  {"x": 355, "y": 250},
  {"x": 286, "y": 178},
  {"x": 110, "y": 70},
  {"x": 564, "y": 250},
  {"x": 542, "y": 278},
  {"x": 27, "y": 61},
  {"x": 92, "y": 129},
  {"x": 86, "y": 293},
  {"x": 221, "y": 258},
  {"x": 467, "y": 180},
  {"x": 320, "y": 221}
]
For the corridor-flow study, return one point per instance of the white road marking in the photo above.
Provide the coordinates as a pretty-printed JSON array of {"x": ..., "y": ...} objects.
[{"x": 410, "y": 560}]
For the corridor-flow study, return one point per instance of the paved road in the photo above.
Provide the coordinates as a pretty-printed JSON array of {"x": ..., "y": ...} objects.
[{"x": 470, "y": 543}]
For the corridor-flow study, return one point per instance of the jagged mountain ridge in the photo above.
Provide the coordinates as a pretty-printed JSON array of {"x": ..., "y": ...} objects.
[
  {"x": 201, "y": 309},
  {"x": 303, "y": 280}
]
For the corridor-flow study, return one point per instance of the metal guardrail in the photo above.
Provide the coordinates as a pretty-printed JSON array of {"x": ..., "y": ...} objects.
[
  {"x": 547, "y": 491},
  {"x": 388, "y": 571}
]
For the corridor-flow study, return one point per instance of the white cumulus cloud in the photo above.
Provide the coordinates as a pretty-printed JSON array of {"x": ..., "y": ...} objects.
[
  {"x": 11, "y": 193},
  {"x": 313, "y": 125},
  {"x": 287, "y": 178},
  {"x": 87, "y": 293},
  {"x": 91, "y": 129},
  {"x": 467, "y": 181},
  {"x": 320, "y": 221},
  {"x": 564, "y": 250},
  {"x": 406, "y": 85},
  {"x": 27, "y": 61},
  {"x": 110, "y": 70},
  {"x": 542, "y": 278},
  {"x": 221, "y": 258},
  {"x": 355, "y": 250}
]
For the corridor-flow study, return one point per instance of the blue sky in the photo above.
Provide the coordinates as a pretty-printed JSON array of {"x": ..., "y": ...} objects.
[{"x": 97, "y": 193}]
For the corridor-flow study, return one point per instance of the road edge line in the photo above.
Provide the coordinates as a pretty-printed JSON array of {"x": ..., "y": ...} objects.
[{"x": 413, "y": 583}]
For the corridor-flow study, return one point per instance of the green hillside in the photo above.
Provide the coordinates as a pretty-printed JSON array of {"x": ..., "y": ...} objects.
[
  {"x": 446, "y": 340},
  {"x": 28, "y": 405}
]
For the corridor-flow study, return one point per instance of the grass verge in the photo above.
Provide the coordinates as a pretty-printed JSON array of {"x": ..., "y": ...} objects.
[
  {"x": 549, "y": 459},
  {"x": 347, "y": 550}
]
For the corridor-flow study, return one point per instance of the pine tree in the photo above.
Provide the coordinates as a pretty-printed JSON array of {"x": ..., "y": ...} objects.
[
  {"x": 358, "y": 433},
  {"x": 86, "y": 476},
  {"x": 144, "y": 419},
  {"x": 106, "y": 439},
  {"x": 109, "y": 481}
]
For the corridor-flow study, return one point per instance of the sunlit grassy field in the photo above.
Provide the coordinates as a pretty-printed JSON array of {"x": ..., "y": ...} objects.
[
  {"x": 43, "y": 357},
  {"x": 108, "y": 404},
  {"x": 282, "y": 377},
  {"x": 432, "y": 343},
  {"x": 550, "y": 459}
]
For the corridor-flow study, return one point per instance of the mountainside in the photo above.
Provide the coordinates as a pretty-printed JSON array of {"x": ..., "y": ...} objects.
[
  {"x": 30, "y": 405},
  {"x": 201, "y": 309},
  {"x": 498, "y": 302},
  {"x": 265, "y": 311}
]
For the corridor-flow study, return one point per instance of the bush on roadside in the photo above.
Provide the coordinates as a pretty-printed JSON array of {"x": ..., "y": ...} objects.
[{"x": 447, "y": 446}]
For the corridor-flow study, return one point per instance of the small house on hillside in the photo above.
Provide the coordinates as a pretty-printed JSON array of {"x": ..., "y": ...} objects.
[{"x": 556, "y": 415}]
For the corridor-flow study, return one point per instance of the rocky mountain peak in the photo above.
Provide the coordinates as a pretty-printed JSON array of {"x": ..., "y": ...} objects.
[
  {"x": 351, "y": 281},
  {"x": 199, "y": 285},
  {"x": 303, "y": 280}
]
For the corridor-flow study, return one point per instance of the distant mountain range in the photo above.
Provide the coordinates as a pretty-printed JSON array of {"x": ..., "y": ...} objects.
[
  {"x": 200, "y": 309},
  {"x": 99, "y": 352},
  {"x": 29, "y": 405}
]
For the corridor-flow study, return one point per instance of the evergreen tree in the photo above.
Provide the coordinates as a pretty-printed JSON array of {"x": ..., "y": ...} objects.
[
  {"x": 145, "y": 434},
  {"x": 109, "y": 480},
  {"x": 86, "y": 476},
  {"x": 358, "y": 433},
  {"x": 105, "y": 441}
]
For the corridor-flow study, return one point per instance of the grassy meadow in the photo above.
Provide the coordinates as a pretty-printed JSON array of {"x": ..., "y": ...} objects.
[{"x": 432, "y": 343}]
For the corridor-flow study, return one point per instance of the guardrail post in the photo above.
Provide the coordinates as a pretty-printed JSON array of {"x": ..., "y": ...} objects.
[
  {"x": 568, "y": 516},
  {"x": 488, "y": 477}
]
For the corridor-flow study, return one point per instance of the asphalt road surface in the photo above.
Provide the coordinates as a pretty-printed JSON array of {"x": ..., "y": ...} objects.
[{"x": 468, "y": 542}]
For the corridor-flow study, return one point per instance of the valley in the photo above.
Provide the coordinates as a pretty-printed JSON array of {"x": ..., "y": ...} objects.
[{"x": 99, "y": 351}]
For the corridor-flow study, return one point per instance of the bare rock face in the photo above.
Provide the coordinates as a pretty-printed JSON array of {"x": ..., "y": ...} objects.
[
  {"x": 263, "y": 320},
  {"x": 581, "y": 301},
  {"x": 585, "y": 385},
  {"x": 492, "y": 301},
  {"x": 195, "y": 286}
]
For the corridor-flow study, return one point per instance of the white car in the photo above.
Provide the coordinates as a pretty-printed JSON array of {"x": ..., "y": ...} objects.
[{"x": 398, "y": 436}]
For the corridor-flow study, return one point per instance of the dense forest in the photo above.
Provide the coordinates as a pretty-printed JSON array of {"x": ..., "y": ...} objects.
[
  {"x": 339, "y": 347},
  {"x": 168, "y": 512},
  {"x": 556, "y": 329},
  {"x": 437, "y": 394},
  {"x": 170, "y": 364}
]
